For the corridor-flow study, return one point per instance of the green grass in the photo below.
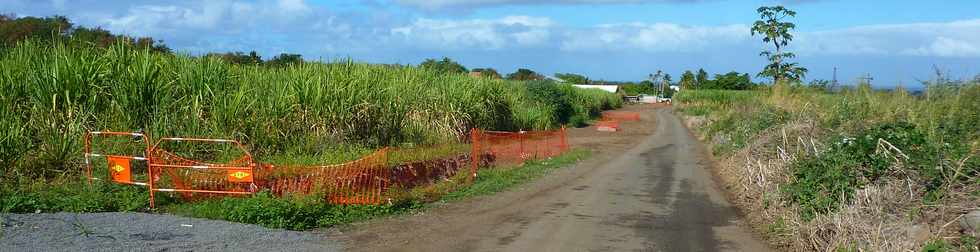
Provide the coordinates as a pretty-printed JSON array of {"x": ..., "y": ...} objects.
[{"x": 490, "y": 181}]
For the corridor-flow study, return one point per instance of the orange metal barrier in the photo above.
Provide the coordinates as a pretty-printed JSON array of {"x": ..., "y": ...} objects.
[
  {"x": 516, "y": 147},
  {"x": 362, "y": 181},
  {"x": 620, "y": 116},
  {"x": 194, "y": 178},
  {"x": 120, "y": 168}
]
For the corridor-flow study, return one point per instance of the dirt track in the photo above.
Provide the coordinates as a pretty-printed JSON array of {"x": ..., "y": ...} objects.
[{"x": 647, "y": 187}]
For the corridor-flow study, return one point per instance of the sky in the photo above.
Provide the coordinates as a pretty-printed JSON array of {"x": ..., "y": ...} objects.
[{"x": 896, "y": 42}]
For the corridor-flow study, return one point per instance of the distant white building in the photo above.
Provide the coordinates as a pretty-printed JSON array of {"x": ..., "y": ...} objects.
[
  {"x": 608, "y": 88},
  {"x": 675, "y": 88},
  {"x": 553, "y": 78}
]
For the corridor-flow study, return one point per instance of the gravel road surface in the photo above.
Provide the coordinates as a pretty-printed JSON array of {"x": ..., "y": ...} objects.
[
  {"x": 146, "y": 232},
  {"x": 646, "y": 188}
]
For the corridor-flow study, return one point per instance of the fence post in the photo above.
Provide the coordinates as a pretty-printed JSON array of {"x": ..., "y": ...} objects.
[
  {"x": 520, "y": 139},
  {"x": 474, "y": 154},
  {"x": 564, "y": 141},
  {"x": 88, "y": 164},
  {"x": 149, "y": 174}
]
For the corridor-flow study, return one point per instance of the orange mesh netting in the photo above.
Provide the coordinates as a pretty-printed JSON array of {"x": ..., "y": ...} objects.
[
  {"x": 196, "y": 179},
  {"x": 620, "y": 116},
  {"x": 607, "y": 126},
  {"x": 362, "y": 181},
  {"x": 516, "y": 147}
]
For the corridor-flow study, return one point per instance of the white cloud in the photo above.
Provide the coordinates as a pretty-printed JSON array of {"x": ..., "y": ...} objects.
[
  {"x": 222, "y": 17},
  {"x": 657, "y": 37},
  {"x": 511, "y": 31},
  {"x": 947, "y": 47},
  {"x": 949, "y": 39}
]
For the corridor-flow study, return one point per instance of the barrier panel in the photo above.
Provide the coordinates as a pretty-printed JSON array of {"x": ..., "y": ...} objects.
[
  {"x": 607, "y": 126},
  {"x": 119, "y": 167},
  {"x": 194, "y": 179},
  {"x": 620, "y": 116},
  {"x": 361, "y": 181},
  {"x": 513, "y": 148}
]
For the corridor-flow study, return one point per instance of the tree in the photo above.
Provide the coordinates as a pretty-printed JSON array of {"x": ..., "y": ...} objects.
[
  {"x": 13, "y": 29},
  {"x": 487, "y": 73},
  {"x": 731, "y": 80},
  {"x": 777, "y": 32},
  {"x": 58, "y": 29},
  {"x": 240, "y": 58},
  {"x": 656, "y": 81},
  {"x": 446, "y": 65},
  {"x": 700, "y": 78},
  {"x": 573, "y": 78},
  {"x": 524, "y": 74},
  {"x": 820, "y": 84},
  {"x": 285, "y": 59},
  {"x": 687, "y": 80}
]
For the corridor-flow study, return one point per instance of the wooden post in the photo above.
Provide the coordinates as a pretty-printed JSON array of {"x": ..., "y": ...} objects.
[
  {"x": 564, "y": 141},
  {"x": 475, "y": 153},
  {"x": 149, "y": 166},
  {"x": 520, "y": 139}
]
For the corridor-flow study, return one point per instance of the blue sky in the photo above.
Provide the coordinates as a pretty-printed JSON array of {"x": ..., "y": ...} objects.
[{"x": 897, "y": 42}]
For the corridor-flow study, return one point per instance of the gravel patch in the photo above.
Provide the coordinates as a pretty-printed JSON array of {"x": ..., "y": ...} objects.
[{"x": 147, "y": 232}]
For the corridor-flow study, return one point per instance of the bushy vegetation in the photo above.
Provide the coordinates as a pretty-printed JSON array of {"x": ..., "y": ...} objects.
[
  {"x": 54, "y": 93},
  {"x": 57, "y": 29},
  {"x": 850, "y": 139},
  {"x": 72, "y": 196},
  {"x": 297, "y": 213}
]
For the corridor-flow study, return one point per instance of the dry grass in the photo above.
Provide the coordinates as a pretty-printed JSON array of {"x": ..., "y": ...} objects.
[{"x": 888, "y": 214}]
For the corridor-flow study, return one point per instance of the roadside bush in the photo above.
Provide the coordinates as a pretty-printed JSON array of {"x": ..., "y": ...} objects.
[
  {"x": 738, "y": 127},
  {"x": 72, "y": 197},
  {"x": 821, "y": 183}
]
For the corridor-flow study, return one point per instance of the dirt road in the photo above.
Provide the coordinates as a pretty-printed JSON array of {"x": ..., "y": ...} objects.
[{"x": 645, "y": 188}]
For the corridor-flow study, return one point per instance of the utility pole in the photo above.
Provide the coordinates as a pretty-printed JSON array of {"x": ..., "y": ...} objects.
[
  {"x": 833, "y": 84},
  {"x": 866, "y": 78},
  {"x": 835, "y": 77}
]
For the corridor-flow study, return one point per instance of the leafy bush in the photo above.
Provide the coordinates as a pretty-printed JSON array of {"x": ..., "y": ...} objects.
[
  {"x": 72, "y": 197},
  {"x": 740, "y": 126},
  {"x": 821, "y": 183}
]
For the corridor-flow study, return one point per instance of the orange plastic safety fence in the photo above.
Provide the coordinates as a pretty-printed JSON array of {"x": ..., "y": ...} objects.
[
  {"x": 620, "y": 116},
  {"x": 196, "y": 179},
  {"x": 510, "y": 148},
  {"x": 362, "y": 181},
  {"x": 610, "y": 126}
]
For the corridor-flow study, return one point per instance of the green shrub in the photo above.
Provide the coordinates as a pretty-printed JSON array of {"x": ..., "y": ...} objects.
[
  {"x": 73, "y": 197},
  {"x": 821, "y": 183}
]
